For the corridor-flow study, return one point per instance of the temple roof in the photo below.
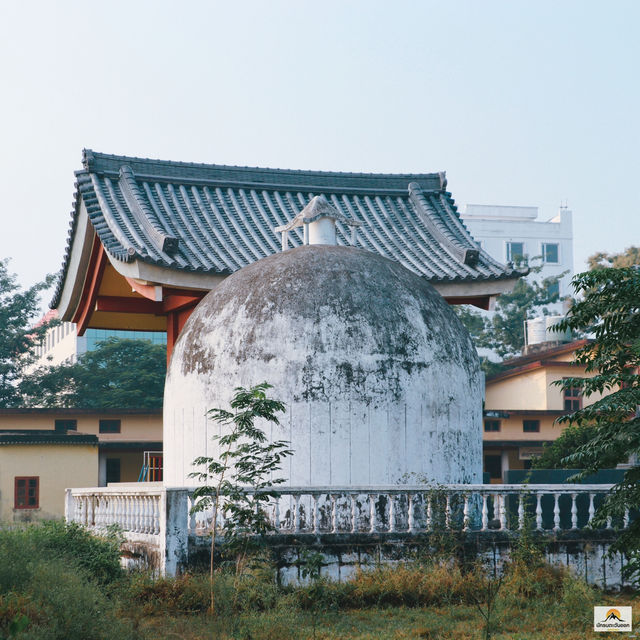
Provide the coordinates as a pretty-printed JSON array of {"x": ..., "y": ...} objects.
[{"x": 216, "y": 219}]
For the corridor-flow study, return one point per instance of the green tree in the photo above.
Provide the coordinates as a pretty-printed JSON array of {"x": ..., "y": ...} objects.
[
  {"x": 18, "y": 336},
  {"x": 609, "y": 311},
  {"x": 238, "y": 483},
  {"x": 503, "y": 331},
  {"x": 628, "y": 258},
  {"x": 556, "y": 454},
  {"x": 119, "y": 374}
]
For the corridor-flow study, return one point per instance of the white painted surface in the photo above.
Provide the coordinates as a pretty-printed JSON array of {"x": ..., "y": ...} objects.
[
  {"x": 494, "y": 226},
  {"x": 380, "y": 379},
  {"x": 322, "y": 231}
]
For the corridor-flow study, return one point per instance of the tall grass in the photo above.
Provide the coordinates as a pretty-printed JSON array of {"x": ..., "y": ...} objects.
[{"x": 57, "y": 582}]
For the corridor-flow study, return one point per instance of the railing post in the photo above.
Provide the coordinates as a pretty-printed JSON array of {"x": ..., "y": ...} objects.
[
  {"x": 502, "y": 510},
  {"x": 296, "y": 514},
  {"x": 316, "y": 524},
  {"x": 372, "y": 514},
  {"x": 574, "y": 511},
  {"x": 485, "y": 512},
  {"x": 334, "y": 518},
  {"x": 466, "y": 513},
  {"x": 392, "y": 512},
  {"x": 174, "y": 541},
  {"x": 592, "y": 510},
  {"x": 539, "y": 511},
  {"x": 520, "y": 511},
  {"x": 353, "y": 513},
  {"x": 410, "y": 515},
  {"x": 69, "y": 506},
  {"x": 556, "y": 512},
  {"x": 276, "y": 514}
]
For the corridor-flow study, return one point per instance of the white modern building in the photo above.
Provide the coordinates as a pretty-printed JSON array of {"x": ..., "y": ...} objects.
[{"x": 511, "y": 234}]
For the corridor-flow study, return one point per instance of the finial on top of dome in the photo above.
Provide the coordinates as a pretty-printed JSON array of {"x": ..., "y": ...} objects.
[{"x": 318, "y": 220}]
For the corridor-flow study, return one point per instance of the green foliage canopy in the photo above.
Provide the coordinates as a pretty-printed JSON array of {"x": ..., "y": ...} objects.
[
  {"x": 119, "y": 373},
  {"x": 18, "y": 338},
  {"x": 610, "y": 312},
  {"x": 503, "y": 331}
]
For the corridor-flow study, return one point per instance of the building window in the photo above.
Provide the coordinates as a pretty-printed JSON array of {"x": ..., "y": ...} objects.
[
  {"x": 492, "y": 425},
  {"x": 553, "y": 289},
  {"x": 531, "y": 426},
  {"x": 493, "y": 466},
  {"x": 27, "y": 492},
  {"x": 572, "y": 398},
  {"x": 550, "y": 253},
  {"x": 515, "y": 251},
  {"x": 109, "y": 426},
  {"x": 113, "y": 470},
  {"x": 66, "y": 425}
]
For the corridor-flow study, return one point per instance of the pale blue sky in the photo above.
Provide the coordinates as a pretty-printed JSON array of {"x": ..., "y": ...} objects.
[{"x": 525, "y": 103}]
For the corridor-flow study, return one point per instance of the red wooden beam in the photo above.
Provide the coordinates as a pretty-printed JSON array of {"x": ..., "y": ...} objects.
[
  {"x": 121, "y": 304},
  {"x": 95, "y": 270},
  {"x": 145, "y": 290},
  {"x": 180, "y": 302}
]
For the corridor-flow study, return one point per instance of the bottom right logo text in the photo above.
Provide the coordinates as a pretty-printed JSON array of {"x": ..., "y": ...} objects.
[{"x": 612, "y": 619}]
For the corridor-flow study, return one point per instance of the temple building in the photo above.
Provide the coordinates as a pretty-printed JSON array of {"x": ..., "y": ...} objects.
[{"x": 149, "y": 239}]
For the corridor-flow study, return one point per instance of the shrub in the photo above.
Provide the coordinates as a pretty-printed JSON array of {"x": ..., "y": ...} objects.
[
  {"x": 51, "y": 586},
  {"x": 98, "y": 555}
]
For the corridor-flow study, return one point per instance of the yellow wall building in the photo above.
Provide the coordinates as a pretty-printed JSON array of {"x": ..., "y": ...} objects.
[
  {"x": 523, "y": 403},
  {"x": 122, "y": 437},
  {"x": 36, "y": 467}
]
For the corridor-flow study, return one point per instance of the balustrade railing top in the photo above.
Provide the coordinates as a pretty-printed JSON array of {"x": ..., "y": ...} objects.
[{"x": 140, "y": 509}]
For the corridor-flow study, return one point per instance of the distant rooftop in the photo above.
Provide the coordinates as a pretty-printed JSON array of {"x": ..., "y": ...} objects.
[{"x": 500, "y": 212}]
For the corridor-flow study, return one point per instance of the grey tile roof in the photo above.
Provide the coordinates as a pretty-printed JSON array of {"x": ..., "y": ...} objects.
[
  {"x": 218, "y": 219},
  {"x": 39, "y": 436}
]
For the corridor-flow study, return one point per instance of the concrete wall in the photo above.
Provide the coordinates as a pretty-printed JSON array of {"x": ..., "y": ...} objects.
[
  {"x": 584, "y": 552},
  {"x": 58, "y": 466}
]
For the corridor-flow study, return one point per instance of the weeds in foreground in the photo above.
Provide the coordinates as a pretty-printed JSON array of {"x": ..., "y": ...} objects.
[{"x": 49, "y": 591}]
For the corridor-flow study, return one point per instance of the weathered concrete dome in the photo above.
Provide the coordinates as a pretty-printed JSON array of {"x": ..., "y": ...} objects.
[{"x": 380, "y": 378}]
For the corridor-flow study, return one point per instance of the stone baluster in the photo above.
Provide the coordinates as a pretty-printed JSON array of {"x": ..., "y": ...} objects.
[
  {"x": 592, "y": 509},
  {"x": 501, "y": 501},
  {"x": 466, "y": 513},
  {"x": 447, "y": 512},
  {"x": 410, "y": 514},
  {"x": 156, "y": 515},
  {"x": 296, "y": 513},
  {"x": 485, "y": 512},
  {"x": 609, "y": 523},
  {"x": 372, "y": 513},
  {"x": 520, "y": 511},
  {"x": 556, "y": 512},
  {"x": 392, "y": 512},
  {"x": 539, "y": 511},
  {"x": 574, "y": 511},
  {"x": 353, "y": 513},
  {"x": 316, "y": 519},
  {"x": 429, "y": 513},
  {"x": 129, "y": 516},
  {"x": 625, "y": 519},
  {"x": 276, "y": 514},
  {"x": 138, "y": 503},
  {"x": 334, "y": 513}
]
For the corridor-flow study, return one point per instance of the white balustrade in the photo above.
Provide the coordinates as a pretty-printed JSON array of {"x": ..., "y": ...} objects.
[{"x": 138, "y": 510}]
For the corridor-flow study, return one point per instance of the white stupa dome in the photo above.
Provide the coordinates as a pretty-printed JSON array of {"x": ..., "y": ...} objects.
[{"x": 381, "y": 380}]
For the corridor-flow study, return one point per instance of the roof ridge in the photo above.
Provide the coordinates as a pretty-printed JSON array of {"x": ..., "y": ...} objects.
[{"x": 89, "y": 157}]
